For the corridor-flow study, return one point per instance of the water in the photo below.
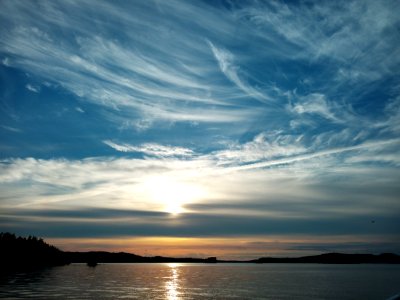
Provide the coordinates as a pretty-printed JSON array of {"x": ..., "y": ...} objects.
[{"x": 204, "y": 281}]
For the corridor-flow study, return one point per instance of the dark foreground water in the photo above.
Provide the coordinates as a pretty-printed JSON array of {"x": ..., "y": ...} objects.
[{"x": 204, "y": 281}]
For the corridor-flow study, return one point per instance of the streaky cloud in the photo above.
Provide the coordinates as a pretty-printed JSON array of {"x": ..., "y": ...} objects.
[
  {"x": 152, "y": 149},
  {"x": 148, "y": 79},
  {"x": 312, "y": 155},
  {"x": 227, "y": 65}
]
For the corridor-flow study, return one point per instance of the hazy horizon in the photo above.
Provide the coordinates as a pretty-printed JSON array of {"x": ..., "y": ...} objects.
[{"x": 235, "y": 129}]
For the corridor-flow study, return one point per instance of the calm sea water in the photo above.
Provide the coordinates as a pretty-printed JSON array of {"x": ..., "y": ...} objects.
[{"x": 204, "y": 281}]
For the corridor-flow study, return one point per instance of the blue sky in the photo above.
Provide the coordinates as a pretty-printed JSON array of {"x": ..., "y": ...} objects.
[{"x": 273, "y": 123}]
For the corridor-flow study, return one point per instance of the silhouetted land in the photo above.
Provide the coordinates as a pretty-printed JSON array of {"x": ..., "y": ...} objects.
[
  {"x": 19, "y": 252},
  {"x": 122, "y": 257},
  {"x": 335, "y": 258}
]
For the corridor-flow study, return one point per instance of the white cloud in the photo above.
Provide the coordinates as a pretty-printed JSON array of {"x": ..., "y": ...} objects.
[
  {"x": 152, "y": 149},
  {"x": 389, "y": 158},
  {"x": 351, "y": 33},
  {"x": 9, "y": 128},
  {"x": 6, "y": 62},
  {"x": 158, "y": 80},
  {"x": 391, "y": 121},
  {"x": 305, "y": 108},
  {"x": 32, "y": 88},
  {"x": 314, "y": 104},
  {"x": 152, "y": 79},
  {"x": 264, "y": 146},
  {"x": 227, "y": 65},
  {"x": 310, "y": 156}
]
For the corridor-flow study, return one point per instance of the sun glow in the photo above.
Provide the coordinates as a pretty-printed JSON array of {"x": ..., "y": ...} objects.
[{"x": 173, "y": 194}]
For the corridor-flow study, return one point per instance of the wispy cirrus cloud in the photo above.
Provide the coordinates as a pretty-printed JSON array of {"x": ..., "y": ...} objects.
[
  {"x": 264, "y": 146},
  {"x": 315, "y": 104},
  {"x": 13, "y": 129},
  {"x": 317, "y": 154},
  {"x": 32, "y": 88},
  {"x": 154, "y": 79},
  {"x": 6, "y": 61},
  {"x": 330, "y": 30},
  {"x": 151, "y": 79},
  {"x": 152, "y": 149},
  {"x": 227, "y": 65}
]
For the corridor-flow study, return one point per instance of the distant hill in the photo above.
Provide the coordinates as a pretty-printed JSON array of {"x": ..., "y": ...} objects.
[
  {"x": 336, "y": 258},
  {"x": 122, "y": 257},
  {"x": 21, "y": 252}
]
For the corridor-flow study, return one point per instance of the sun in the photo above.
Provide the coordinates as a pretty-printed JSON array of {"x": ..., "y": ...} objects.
[{"x": 172, "y": 193}]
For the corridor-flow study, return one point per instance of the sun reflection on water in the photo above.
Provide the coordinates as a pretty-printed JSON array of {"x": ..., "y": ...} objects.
[{"x": 172, "y": 284}]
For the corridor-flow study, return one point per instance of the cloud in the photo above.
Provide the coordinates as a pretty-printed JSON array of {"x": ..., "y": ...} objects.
[
  {"x": 6, "y": 62},
  {"x": 315, "y": 155},
  {"x": 145, "y": 79},
  {"x": 392, "y": 121},
  {"x": 227, "y": 65},
  {"x": 315, "y": 104},
  {"x": 211, "y": 225},
  {"x": 32, "y": 88},
  {"x": 152, "y": 149},
  {"x": 105, "y": 182},
  {"x": 9, "y": 128},
  {"x": 263, "y": 147},
  {"x": 85, "y": 213},
  {"x": 156, "y": 80},
  {"x": 322, "y": 30}
]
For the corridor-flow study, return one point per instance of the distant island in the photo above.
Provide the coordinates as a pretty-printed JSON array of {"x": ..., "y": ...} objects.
[
  {"x": 26, "y": 252},
  {"x": 335, "y": 258}
]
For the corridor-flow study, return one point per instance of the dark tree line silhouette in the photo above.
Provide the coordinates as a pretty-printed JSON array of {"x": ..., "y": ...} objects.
[{"x": 28, "y": 252}]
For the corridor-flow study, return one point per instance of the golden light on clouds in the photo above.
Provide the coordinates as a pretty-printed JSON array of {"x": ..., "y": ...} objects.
[
  {"x": 221, "y": 247},
  {"x": 172, "y": 194}
]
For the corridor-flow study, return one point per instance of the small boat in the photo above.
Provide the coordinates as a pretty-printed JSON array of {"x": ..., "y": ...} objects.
[{"x": 91, "y": 264}]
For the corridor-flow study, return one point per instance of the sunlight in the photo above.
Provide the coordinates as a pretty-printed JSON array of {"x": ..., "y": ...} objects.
[
  {"x": 172, "y": 285},
  {"x": 172, "y": 194}
]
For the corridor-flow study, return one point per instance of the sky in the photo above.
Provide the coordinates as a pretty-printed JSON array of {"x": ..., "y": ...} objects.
[{"x": 236, "y": 129}]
